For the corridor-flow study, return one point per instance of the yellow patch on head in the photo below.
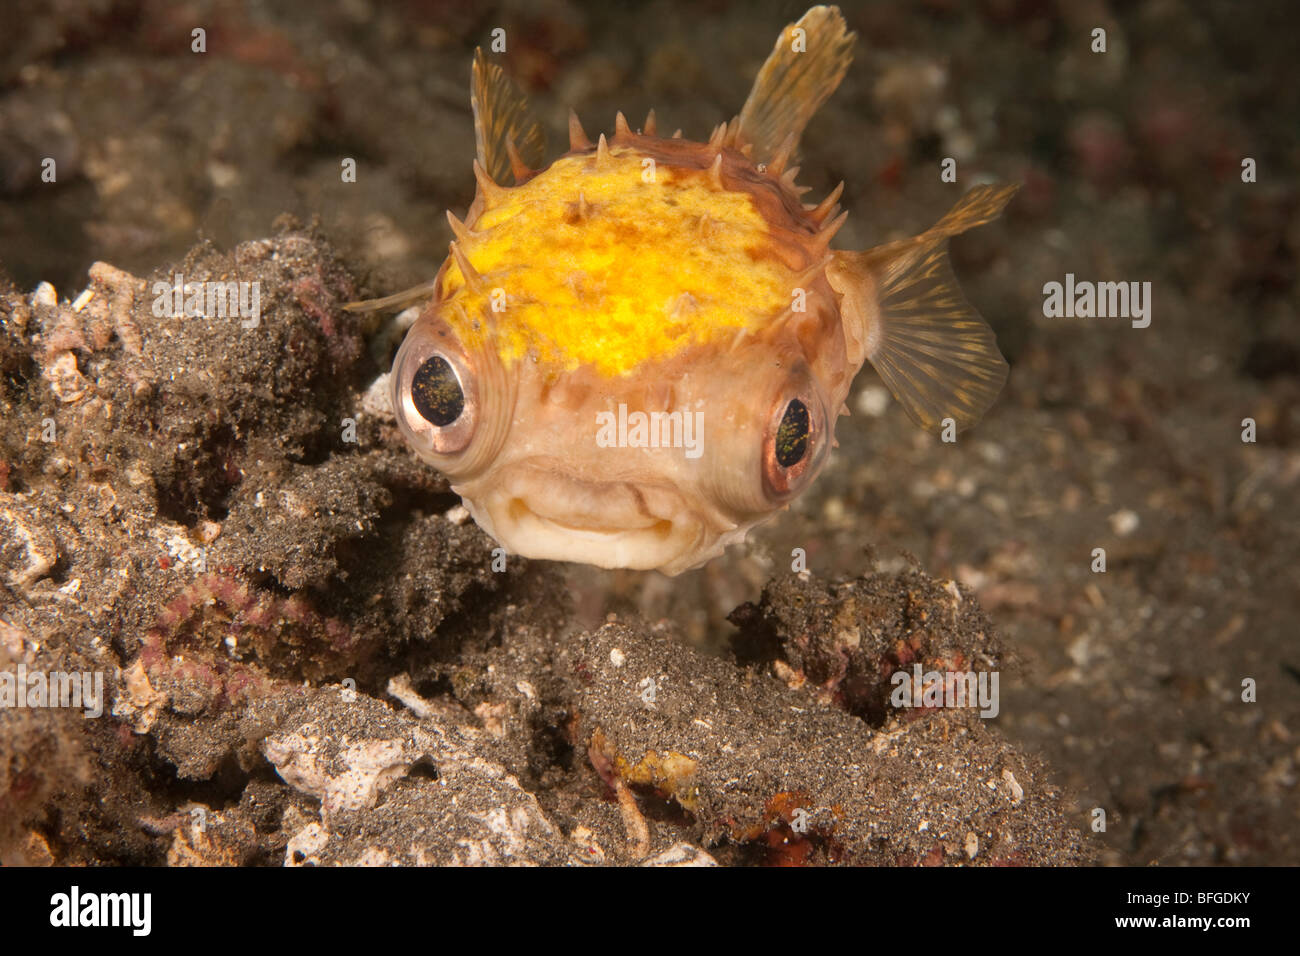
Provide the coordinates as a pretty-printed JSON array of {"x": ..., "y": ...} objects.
[{"x": 598, "y": 266}]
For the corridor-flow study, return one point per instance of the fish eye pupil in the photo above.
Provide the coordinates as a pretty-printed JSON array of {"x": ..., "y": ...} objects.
[
  {"x": 792, "y": 435},
  {"x": 436, "y": 392}
]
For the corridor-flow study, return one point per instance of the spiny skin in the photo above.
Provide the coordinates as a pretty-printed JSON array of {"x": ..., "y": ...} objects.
[
  {"x": 560, "y": 244},
  {"x": 630, "y": 257}
]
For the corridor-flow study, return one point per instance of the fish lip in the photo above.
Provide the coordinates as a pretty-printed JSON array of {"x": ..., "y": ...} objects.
[
  {"x": 659, "y": 527},
  {"x": 653, "y": 525},
  {"x": 640, "y": 506}
]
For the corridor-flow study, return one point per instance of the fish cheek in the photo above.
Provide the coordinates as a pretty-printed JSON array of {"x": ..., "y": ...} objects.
[
  {"x": 734, "y": 478},
  {"x": 743, "y": 453}
]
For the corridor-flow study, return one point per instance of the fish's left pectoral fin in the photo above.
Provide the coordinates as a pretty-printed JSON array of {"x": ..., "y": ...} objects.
[
  {"x": 506, "y": 133},
  {"x": 904, "y": 312},
  {"x": 936, "y": 353},
  {"x": 804, "y": 68},
  {"x": 396, "y": 300}
]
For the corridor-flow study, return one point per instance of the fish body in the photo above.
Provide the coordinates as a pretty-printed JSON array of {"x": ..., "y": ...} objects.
[{"x": 636, "y": 353}]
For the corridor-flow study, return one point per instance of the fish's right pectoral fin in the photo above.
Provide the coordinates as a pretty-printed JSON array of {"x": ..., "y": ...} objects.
[
  {"x": 804, "y": 68},
  {"x": 905, "y": 313},
  {"x": 403, "y": 298},
  {"x": 503, "y": 122}
]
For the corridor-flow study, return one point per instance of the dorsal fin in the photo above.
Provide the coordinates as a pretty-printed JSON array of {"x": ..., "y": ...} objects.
[
  {"x": 501, "y": 115},
  {"x": 806, "y": 65}
]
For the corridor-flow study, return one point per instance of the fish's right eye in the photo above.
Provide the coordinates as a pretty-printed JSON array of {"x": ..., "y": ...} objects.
[{"x": 435, "y": 394}]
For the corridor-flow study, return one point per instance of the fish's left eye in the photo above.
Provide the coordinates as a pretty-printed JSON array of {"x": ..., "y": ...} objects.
[{"x": 793, "y": 444}]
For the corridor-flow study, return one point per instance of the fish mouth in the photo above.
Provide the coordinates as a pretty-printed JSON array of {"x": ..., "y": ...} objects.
[
  {"x": 539, "y": 513},
  {"x": 520, "y": 512}
]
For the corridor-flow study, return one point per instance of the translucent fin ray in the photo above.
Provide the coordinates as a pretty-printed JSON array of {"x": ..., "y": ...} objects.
[
  {"x": 501, "y": 116},
  {"x": 905, "y": 313},
  {"x": 405, "y": 297},
  {"x": 801, "y": 72}
]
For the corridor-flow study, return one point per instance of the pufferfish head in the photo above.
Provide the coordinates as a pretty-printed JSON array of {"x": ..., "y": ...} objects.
[
  {"x": 637, "y": 352},
  {"x": 629, "y": 369}
]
